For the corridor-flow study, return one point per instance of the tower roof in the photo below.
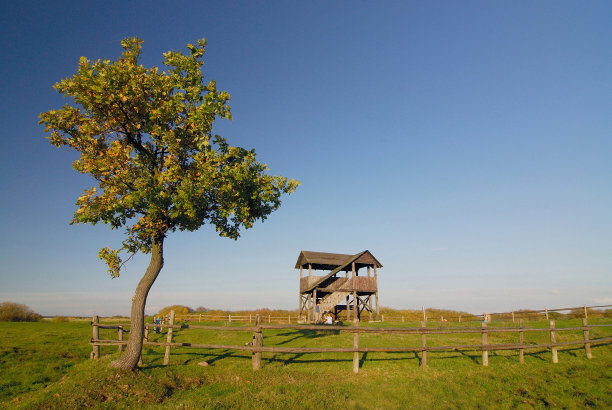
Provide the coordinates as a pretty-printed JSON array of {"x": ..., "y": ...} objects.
[{"x": 331, "y": 261}]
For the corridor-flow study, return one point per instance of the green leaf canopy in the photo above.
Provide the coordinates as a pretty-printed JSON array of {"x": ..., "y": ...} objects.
[{"x": 145, "y": 136}]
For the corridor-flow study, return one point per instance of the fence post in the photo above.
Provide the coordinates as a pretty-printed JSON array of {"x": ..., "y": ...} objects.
[
  {"x": 120, "y": 337},
  {"x": 424, "y": 344},
  {"x": 257, "y": 342},
  {"x": 355, "y": 347},
  {"x": 229, "y": 318},
  {"x": 546, "y": 310},
  {"x": 553, "y": 340},
  {"x": 521, "y": 342},
  {"x": 269, "y": 318},
  {"x": 424, "y": 314},
  {"x": 382, "y": 318},
  {"x": 513, "y": 317},
  {"x": 250, "y": 318},
  {"x": 199, "y": 318},
  {"x": 169, "y": 339},
  {"x": 459, "y": 318},
  {"x": 485, "y": 353},
  {"x": 586, "y": 315},
  {"x": 587, "y": 346},
  {"x": 95, "y": 354}
]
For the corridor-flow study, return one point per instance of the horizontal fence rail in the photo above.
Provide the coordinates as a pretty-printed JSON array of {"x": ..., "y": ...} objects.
[
  {"x": 193, "y": 317},
  {"x": 256, "y": 346},
  {"x": 427, "y": 315}
]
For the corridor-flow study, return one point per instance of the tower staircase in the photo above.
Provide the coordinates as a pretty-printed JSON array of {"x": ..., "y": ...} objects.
[{"x": 329, "y": 302}]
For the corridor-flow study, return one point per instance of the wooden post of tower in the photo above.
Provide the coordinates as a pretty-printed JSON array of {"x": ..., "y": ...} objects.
[
  {"x": 311, "y": 303},
  {"x": 348, "y": 312},
  {"x": 355, "y": 300},
  {"x": 376, "y": 294},
  {"x": 309, "y": 297},
  {"x": 299, "y": 294},
  {"x": 314, "y": 301}
]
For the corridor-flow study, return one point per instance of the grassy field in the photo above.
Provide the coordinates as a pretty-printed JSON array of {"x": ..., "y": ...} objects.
[{"x": 46, "y": 365}]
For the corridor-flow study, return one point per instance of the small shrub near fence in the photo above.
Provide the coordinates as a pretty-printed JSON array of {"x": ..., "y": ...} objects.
[{"x": 256, "y": 346}]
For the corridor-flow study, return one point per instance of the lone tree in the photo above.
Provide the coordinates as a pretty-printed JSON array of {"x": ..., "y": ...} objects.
[{"x": 145, "y": 136}]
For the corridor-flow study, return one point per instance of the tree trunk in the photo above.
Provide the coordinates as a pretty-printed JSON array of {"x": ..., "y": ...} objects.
[{"x": 129, "y": 359}]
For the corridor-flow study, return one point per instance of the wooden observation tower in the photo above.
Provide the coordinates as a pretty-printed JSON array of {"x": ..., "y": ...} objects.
[{"x": 340, "y": 289}]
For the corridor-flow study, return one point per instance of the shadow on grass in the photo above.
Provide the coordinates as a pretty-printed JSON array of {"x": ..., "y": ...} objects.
[
  {"x": 153, "y": 360},
  {"x": 363, "y": 359},
  {"x": 306, "y": 334},
  {"x": 472, "y": 357}
]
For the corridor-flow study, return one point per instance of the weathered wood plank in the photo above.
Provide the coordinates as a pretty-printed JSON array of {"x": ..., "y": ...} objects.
[
  {"x": 587, "y": 345},
  {"x": 95, "y": 354},
  {"x": 169, "y": 339},
  {"x": 485, "y": 353},
  {"x": 356, "y": 349},
  {"x": 553, "y": 340},
  {"x": 257, "y": 343},
  {"x": 424, "y": 346},
  {"x": 521, "y": 341}
]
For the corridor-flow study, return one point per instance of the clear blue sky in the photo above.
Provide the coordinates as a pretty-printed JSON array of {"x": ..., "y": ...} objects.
[{"x": 466, "y": 144}]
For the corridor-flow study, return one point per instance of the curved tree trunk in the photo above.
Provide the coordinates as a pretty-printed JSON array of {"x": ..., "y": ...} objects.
[{"x": 129, "y": 359}]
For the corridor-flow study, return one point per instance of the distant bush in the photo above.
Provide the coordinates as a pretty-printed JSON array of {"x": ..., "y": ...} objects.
[
  {"x": 61, "y": 319},
  {"x": 16, "y": 312},
  {"x": 579, "y": 313},
  {"x": 529, "y": 314},
  {"x": 178, "y": 309}
]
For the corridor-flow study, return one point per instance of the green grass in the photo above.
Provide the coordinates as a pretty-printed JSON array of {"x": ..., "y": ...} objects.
[{"x": 46, "y": 365}]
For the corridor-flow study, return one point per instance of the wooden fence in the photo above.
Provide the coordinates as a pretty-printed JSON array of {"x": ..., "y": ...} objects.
[
  {"x": 256, "y": 347},
  {"x": 203, "y": 317},
  {"x": 545, "y": 313},
  {"x": 431, "y": 315}
]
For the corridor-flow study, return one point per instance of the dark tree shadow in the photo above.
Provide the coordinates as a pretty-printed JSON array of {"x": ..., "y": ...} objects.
[
  {"x": 363, "y": 359},
  {"x": 418, "y": 358},
  {"x": 294, "y": 358},
  {"x": 306, "y": 334}
]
